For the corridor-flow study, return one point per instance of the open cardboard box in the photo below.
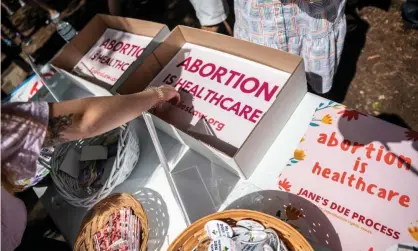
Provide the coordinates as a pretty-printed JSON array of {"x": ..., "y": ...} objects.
[
  {"x": 74, "y": 51},
  {"x": 246, "y": 158}
]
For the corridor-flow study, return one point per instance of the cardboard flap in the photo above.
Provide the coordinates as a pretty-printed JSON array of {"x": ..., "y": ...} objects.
[
  {"x": 272, "y": 122},
  {"x": 72, "y": 53},
  {"x": 67, "y": 57},
  {"x": 251, "y": 51},
  {"x": 141, "y": 77},
  {"x": 169, "y": 48}
]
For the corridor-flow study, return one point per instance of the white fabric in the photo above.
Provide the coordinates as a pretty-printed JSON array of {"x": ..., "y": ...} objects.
[{"x": 210, "y": 12}]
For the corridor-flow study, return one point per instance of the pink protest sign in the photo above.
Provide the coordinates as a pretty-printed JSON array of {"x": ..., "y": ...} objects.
[
  {"x": 361, "y": 172},
  {"x": 223, "y": 95},
  {"x": 111, "y": 55}
]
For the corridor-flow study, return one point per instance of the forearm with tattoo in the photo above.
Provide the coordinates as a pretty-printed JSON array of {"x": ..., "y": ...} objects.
[
  {"x": 56, "y": 126},
  {"x": 88, "y": 117}
]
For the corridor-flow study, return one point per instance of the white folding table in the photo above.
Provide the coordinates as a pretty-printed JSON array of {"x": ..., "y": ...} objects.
[{"x": 148, "y": 182}]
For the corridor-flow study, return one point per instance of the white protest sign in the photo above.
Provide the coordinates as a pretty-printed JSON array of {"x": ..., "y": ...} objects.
[
  {"x": 111, "y": 55},
  {"x": 223, "y": 96},
  {"x": 25, "y": 91}
]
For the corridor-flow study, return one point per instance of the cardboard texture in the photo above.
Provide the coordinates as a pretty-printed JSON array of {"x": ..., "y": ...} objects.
[
  {"x": 242, "y": 154},
  {"x": 80, "y": 45},
  {"x": 360, "y": 174}
]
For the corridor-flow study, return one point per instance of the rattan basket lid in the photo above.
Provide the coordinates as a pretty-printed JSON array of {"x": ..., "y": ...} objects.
[
  {"x": 97, "y": 217},
  {"x": 195, "y": 233}
]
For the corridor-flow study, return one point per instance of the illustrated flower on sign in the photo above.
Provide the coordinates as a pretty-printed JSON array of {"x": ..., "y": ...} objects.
[
  {"x": 338, "y": 107},
  {"x": 298, "y": 155},
  {"x": 351, "y": 114},
  {"x": 302, "y": 139},
  {"x": 284, "y": 185},
  {"x": 411, "y": 135},
  {"x": 413, "y": 231},
  {"x": 327, "y": 119},
  {"x": 292, "y": 213}
]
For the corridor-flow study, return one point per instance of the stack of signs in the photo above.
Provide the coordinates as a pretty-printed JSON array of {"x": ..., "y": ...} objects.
[
  {"x": 361, "y": 174},
  {"x": 121, "y": 233},
  {"x": 111, "y": 55},
  {"x": 223, "y": 97}
]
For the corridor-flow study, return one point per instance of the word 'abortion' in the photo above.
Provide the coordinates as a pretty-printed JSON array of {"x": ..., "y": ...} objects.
[
  {"x": 127, "y": 49},
  {"x": 234, "y": 79},
  {"x": 355, "y": 180}
]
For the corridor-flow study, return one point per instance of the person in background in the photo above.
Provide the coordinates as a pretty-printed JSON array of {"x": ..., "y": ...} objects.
[
  {"x": 212, "y": 14},
  {"x": 313, "y": 29},
  {"x": 26, "y": 127},
  {"x": 7, "y": 25}
]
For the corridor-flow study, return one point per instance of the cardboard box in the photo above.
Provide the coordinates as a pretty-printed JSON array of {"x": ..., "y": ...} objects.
[
  {"x": 218, "y": 92},
  {"x": 244, "y": 157},
  {"x": 87, "y": 38}
]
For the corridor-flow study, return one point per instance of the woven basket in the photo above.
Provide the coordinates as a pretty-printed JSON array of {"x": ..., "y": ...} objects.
[
  {"x": 126, "y": 159},
  {"x": 97, "y": 217},
  {"x": 195, "y": 233}
]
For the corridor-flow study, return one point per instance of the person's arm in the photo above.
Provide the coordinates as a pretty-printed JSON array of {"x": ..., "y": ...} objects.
[{"x": 88, "y": 117}]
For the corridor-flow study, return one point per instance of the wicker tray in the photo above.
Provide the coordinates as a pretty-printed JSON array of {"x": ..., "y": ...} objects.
[
  {"x": 97, "y": 217},
  {"x": 195, "y": 233},
  {"x": 126, "y": 159}
]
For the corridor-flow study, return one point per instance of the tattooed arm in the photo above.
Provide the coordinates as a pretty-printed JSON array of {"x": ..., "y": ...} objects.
[{"x": 88, "y": 117}]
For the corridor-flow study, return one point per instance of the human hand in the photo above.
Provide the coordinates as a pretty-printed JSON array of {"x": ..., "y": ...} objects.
[{"x": 168, "y": 93}]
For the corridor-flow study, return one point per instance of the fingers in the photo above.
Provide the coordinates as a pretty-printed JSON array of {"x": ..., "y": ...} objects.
[
  {"x": 171, "y": 95},
  {"x": 176, "y": 97}
]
